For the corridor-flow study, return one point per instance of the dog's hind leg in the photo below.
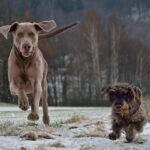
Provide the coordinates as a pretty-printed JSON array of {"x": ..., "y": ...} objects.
[{"x": 44, "y": 99}]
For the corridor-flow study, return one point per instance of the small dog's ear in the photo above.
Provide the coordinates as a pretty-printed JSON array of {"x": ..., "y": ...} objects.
[
  {"x": 138, "y": 92},
  {"x": 138, "y": 95},
  {"x": 45, "y": 26},
  {"x": 130, "y": 93},
  {"x": 8, "y": 28},
  {"x": 106, "y": 90}
]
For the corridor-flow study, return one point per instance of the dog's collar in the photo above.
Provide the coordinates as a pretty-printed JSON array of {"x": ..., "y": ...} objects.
[{"x": 20, "y": 57}]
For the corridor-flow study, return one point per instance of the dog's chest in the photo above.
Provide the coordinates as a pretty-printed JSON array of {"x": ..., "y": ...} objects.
[
  {"x": 24, "y": 77},
  {"x": 24, "y": 68},
  {"x": 120, "y": 121},
  {"x": 24, "y": 73}
]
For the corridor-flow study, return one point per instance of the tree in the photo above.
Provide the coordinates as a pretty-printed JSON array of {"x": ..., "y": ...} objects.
[
  {"x": 115, "y": 35},
  {"x": 92, "y": 30}
]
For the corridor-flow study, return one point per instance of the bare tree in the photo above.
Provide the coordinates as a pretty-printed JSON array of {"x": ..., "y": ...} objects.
[
  {"x": 115, "y": 34},
  {"x": 92, "y": 33}
]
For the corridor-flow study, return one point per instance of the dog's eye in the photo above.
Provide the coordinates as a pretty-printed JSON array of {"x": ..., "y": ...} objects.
[
  {"x": 112, "y": 98},
  {"x": 125, "y": 96},
  {"x": 31, "y": 34},
  {"x": 20, "y": 34},
  {"x": 129, "y": 99}
]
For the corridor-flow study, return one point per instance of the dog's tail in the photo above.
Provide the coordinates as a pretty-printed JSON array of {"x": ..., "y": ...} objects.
[{"x": 57, "y": 31}]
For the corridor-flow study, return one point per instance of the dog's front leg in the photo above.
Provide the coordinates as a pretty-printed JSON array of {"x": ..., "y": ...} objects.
[
  {"x": 23, "y": 100},
  {"x": 130, "y": 133},
  {"x": 116, "y": 132},
  {"x": 37, "y": 91},
  {"x": 17, "y": 88}
]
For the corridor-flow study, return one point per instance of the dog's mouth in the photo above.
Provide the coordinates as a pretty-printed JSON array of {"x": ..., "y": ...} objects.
[
  {"x": 26, "y": 53},
  {"x": 123, "y": 111},
  {"x": 118, "y": 110}
]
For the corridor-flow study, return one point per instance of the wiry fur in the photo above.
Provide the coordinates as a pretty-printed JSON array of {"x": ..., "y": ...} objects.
[{"x": 132, "y": 114}]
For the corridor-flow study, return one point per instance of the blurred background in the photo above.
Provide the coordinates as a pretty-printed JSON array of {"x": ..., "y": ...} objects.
[{"x": 111, "y": 44}]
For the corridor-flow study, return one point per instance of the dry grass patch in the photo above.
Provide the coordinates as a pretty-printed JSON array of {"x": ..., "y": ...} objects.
[
  {"x": 85, "y": 147},
  {"x": 8, "y": 128},
  {"x": 30, "y": 136},
  {"x": 56, "y": 144},
  {"x": 75, "y": 118},
  {"x": 98, "y": 131},
  {"x": 33, "y": 136},
  {"x": 41, "y": 147},
  {"x": 57, "y": 124},
  {"x": 100, "y": 126},
  {"x": 91, "y": 134},
  {"x": 22, "y": 148}
]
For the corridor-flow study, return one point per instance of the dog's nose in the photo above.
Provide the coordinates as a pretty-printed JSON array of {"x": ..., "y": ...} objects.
[
  {"x": 118, "y": 106},
  {"x": 26, "y": 46}
]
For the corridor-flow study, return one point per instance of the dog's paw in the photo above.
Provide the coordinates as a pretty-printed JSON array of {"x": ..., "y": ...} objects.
[
  {"x": 46, "y": 120},
  {"x": 33, "y": 116},
  {"x": 23, "y": 104},
  {"x": 129, "y": 140},
  {"x": 139, "y": 140},
  {"x": 112, "y": 136}
]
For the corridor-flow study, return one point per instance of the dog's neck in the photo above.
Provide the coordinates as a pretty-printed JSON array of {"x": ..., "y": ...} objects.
[
  {"x": 125, "y": 119},
  {"x": 23, "y": 62},
  {"x": 20, "y": 57},
  {"x": 133, "y": 112}
]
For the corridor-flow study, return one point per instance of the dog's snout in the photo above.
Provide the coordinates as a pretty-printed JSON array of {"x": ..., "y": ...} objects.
[
  {"x": 26, "y": 46},
  {"x": 118, "y": 106}
]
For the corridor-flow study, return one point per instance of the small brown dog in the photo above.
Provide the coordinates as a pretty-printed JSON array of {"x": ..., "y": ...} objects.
[{"x": 128, "y": 110}]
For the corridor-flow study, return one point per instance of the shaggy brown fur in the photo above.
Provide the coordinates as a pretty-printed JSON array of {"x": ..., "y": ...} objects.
[{"x": 128, "y": 110}]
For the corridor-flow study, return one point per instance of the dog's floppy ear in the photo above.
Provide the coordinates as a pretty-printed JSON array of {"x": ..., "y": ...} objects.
[
  {"x": 106, "y": 90},
  {"x": 138, "y": 95},
  {"x": 130, "y": 93},
  {"x": 45, "y": 26},
  {"x": 8, "y": 28}
]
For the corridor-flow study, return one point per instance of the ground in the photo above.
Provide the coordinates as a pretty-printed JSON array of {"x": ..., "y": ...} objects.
[{"x": 71, "y": 128}]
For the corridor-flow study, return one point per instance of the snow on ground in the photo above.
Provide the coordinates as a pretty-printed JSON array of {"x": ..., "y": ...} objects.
[{"x": 71, "y": 129}]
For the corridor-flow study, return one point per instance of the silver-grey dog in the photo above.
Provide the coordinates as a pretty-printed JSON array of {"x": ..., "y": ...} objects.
[{"x": 27, "y": 69}]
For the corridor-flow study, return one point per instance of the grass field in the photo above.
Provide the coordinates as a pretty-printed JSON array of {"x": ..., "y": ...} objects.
[
  {"x": 13, "y": 113},
  {"x": 2, "y": 104},
  {"x": 72, "y": 128}
]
